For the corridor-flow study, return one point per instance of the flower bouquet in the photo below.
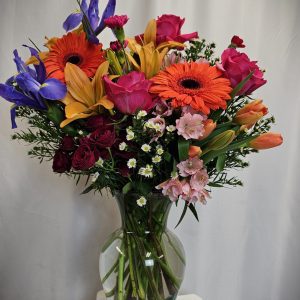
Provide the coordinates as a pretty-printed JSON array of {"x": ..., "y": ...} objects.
[{"x": 157, "y": 119}]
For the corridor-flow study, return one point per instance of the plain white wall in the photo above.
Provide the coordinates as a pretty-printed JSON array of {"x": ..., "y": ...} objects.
[{"x": 246, "y": 245}]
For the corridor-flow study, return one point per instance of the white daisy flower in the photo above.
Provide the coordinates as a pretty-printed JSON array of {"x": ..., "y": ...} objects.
[
  {"x": 131, "y": 163},
  {"x": 142, "y": 201},
  {"x": 171, "y": 128},
  {"x": 156, "y": 159},
  {"x": 159, "y": 150},
  {"x": 147, "y": 171},
  {"x": 146, "y": 148},
  {"x": 122, "y": 146},
  {"x": 130, "y": 136},
  {"x": 141, "y": 114}
]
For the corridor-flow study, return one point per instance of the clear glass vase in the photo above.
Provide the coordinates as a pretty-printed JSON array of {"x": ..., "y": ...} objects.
[{"x": 142, "y": 259}]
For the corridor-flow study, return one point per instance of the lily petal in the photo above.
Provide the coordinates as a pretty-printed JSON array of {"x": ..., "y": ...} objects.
[
  {"x": 79, "y": 116},
  {"x": 97, "y": 82},
  {"x": 105, "y": 102},
  {"x": 79, "y": 85},
  {"x": 74, "y": 109},
  {"x": 150, "y": 32},
  {"x": 53, "y": 89}
]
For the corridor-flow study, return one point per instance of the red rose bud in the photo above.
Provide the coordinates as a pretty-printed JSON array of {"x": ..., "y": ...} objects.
[
  {"x": 237, "y": 42},
  {"x": 117, "y": 46},
  {"x": 251, "y": 113},
  {"x": 102, "y": 139},
  {"x": 68, "y": 144},
  {"x": 194, "y": 151},
  {"x": 61, "y": 162},
  {"x": 83, "y": 158},
  {"x": 209, "y": 127},
  {"x": 266, "y": 141}
]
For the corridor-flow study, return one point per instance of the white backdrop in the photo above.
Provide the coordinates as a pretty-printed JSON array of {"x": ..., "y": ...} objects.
[{"x": 246, "y": 245}]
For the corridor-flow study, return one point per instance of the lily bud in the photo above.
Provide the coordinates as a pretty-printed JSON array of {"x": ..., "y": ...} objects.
[
  {"x": 194, "y": 151},
  {"x": 114, "y": 62},
  {"x": 221, "y": 141},
  {"x": 266, "y": 141},
  {"x": 251, "y": 113},
  {"x": 209, "y": 127}
]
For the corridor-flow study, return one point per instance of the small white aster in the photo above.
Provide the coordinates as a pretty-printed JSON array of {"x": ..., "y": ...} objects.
[
  {"x": 122, "y": 146},
  {"x": 159, "y": 150},
  {"x": 141, "y": 114},
  {"x": 146, "y": 148},
  {"x": 171, "y": 128},
  {"x": 149, "y": 124},
  {"x": 129, "y": 129},
  {"x": 130, "y": 136},
  {"x": 100, "y": 162},
  {"x": 142, "y": 201},
  {"x": 131, "y": 163},
  {"x": 80, "y": 132},
  {"x": 95, "y": 177},
  {"x": 147, "y": 171},
  {"x": 156, "y": 127},
  {"x": 156, "y": 159}
]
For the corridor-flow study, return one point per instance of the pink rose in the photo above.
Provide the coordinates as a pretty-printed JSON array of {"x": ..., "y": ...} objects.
[
  {"x": 171, "y": 188},
  {"x": 237, "y": 66},
  {"x": 130, "y": 93},
  {"x": 169, "y": 29}
]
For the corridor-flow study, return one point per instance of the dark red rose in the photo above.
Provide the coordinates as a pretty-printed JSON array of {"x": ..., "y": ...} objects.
[
  {"x": 83, "y": 158},
  {"x": 61, "y": 162},
  {"x": 96, "y": 122},
  {"x": 237, "y": 42},
  {"x": 68, "y": 144},
  {"x": 102, "y": 139}
]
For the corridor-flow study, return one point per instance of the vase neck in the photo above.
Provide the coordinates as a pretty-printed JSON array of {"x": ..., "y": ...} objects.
[{"x": 143, "y": 216}]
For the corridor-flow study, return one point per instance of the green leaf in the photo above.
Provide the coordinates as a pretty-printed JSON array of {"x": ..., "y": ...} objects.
[
  {"x": 214, "y": 184},
  {"x": 194, "y": 211},
  {"x": 183, "y": 149},
  {"x": 88, "y": 189},
  {"x": 239, "y": 87},
  {"x": 127, "y": 187},
  {"x": 183, "y": 214},
  {"x": 143, "y": 188},
  {"x": 167, "y": 156},
  {"x": 221, "y": 162}
]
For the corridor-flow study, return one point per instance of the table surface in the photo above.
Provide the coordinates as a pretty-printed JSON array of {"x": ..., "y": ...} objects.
[{"x": 101, "y": 296}]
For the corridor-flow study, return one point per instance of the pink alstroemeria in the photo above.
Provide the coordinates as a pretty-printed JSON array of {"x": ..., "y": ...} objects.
[
  {"x": 190, "y": 166},
  {"x": 130, "y": 93},
  {"x": 171, "y": 188},
  {"x": 190, "y": 126},
  {"x": 199, "y": 180}
]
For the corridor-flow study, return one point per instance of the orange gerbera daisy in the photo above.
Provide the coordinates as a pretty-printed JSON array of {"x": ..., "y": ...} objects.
[
  {"x": 76, "y": 49},
  {"x": 198, "y": 85}
]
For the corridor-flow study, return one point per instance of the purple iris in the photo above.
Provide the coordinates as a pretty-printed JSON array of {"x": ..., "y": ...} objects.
[
  {"x": 91, "y": 15},
  {"x": 31, "y": 87}
]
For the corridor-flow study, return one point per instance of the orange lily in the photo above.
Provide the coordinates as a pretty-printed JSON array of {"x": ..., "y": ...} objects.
[
  {"x": 150, "y": 56},
  {"x": 84, "y": 96}
]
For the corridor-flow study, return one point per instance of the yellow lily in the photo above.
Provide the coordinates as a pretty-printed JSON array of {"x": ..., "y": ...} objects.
[
  {"x": 84, "y": 96},
  {"x": 150, "y": 55}
]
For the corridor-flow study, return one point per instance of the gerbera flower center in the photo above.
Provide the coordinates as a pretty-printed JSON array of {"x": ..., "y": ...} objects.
[
  {"x": 190, "y": 83},
  {"x": 74, "y": 59}
]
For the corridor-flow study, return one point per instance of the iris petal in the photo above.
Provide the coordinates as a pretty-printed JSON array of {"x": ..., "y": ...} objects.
[
  {"x": 108, "y": 12},
  {"x": 53, "y": 89},
  {"x": 93, "y": 13},
  {"x": 72, "y": 21},
  {"x": 27, "y": 83},
  {"x": 13, "y": 117}
]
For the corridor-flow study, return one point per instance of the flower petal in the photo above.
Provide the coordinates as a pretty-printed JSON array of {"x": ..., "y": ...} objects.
[
  {"x": 27, "y": 83},
  {"x": 72, "y": 21},
  {"x": 97, "y": 82},
  {"x": 53, "y": 89},
  {"x": 93, "y": 13},
  {"x": 13, "y": 117},
  {"x": 79, "y": 85},
  {"x": 74, "y": 109},
  {"x": 108, "y": 12},
  {"x": 105, "y": 102},
  {"x": 79, "y": 116}
]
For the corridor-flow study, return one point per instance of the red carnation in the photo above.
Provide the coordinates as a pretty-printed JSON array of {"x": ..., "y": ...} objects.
[
  {"x": 237, "y": 42},
  {"x": 116, "y": 21}
]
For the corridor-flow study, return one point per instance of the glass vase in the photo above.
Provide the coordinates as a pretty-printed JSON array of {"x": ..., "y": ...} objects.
[{"x": 143, "y": 259}]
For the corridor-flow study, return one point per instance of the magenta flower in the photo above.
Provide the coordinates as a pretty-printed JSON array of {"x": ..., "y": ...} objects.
[
  {"x": 116, "y": 21},
  {"x": 237, "y": 66},
  {"x": 130, "y": 93},
  {"x": 190, "y": 166},
  {"x": 171, "y": 188},
  {"x": 190, "y": 126}
]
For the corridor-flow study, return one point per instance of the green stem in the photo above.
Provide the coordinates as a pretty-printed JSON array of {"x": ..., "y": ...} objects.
[{"x": 121, "y": 273}]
